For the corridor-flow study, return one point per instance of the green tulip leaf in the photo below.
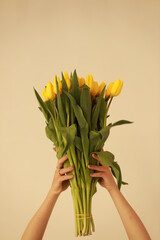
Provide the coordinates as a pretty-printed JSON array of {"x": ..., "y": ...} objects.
[
  {"x": 68, "y": 136},
  {"x": 102, "y": 114},
  {"x": 124, "y": 183},
  {"x": 50, "y": 105},
  {"x": 42, "y": 107},
  {"x": 75, "y": 90},
  {"x": 120, "y": 122},
  {"x": 96, "y": 110},
  {"x": 98, "y": 138},
  {"x": 82, "y": 124},
  {"x": 77, "y": 110},
  {"x": 65, "y": 100},
  {"x": 64, "y": 84},
  {"x": 51, "y": 133},
  {"x": 86, "y": 103},
  {"x": 60, "y": 106},
  {"x": 78, "y": 143}
]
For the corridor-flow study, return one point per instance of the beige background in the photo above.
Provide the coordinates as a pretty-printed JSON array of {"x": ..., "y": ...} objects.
[{"x": 109, "y": 39}]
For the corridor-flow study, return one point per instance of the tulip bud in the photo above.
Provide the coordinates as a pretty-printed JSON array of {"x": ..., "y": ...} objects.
[
  {"x": 101, "y": 86},
  {"x": 89, "y": 80},
  {"x": 108, "y": 90},
  {"x": 44, "y": 94},
  {"x": 116, "y": 88},
  {"x": 94, "y": 88},
  {"x": 49, "y": 91},
  {"x": 81, "y": 81},
  {"x": 59, "y": 85},
  {"x": 67, "y": 79}
]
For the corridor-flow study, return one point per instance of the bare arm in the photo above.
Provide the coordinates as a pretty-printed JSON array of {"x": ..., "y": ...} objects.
[
  {"x": 132, "y": 223},
  {"x": 37, "y": 225}
]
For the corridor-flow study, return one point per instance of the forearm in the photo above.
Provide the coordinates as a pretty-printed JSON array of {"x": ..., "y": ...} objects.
[
  {"x": 36, "y": 227},
  {"x": 132, "y": 223}
]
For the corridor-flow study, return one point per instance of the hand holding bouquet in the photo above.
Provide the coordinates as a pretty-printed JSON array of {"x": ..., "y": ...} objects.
[{"x": 76, "y": 114}]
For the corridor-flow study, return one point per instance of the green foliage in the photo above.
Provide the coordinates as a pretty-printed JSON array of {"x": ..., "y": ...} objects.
[
  {"x": 78, "y": 143},
  {"x": 68, "y": 136},
  {"x": 76, "y": 125},
  {"x": 120, "y": 122},
  {"x": 96, "y": 110},
  {"x": 86, "y": 103},
  {"x": 60, "y": 107},
  {"x": 75, "y": 90},
  {"x": 102, "y": 114},
  {"x": 82, "y": 125},
  {"x": 98, "y": 138},
  {"x": 77, "y": 111},
  {"x": 42, "y": 105},
  {"x": 51, "y": 132},
  {"x": 65, "y": 100},
  {"x": 51, "y": 105}
]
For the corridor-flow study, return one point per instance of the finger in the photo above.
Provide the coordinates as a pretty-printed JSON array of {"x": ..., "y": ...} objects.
[
  {"x": 66, "y": 177},
  {"x": 61, "y": 161},
  {"x": 97, "y": 174},
  {"x": 66, "y": 170},
  {"x": 98, "y": 168},
  {"x": 97, "y": 158}
]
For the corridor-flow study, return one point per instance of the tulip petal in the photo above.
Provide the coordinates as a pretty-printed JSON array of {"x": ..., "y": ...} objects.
[
  {"x": 44, "y": 94},
  {"x": 67, "y": 79},
  {"x": 94, "y": 88},
  {"x": 108, "y": 90},
  {"x": 116, "y": 88},
  {"x": 119, "y": 89},
  {"x": 49, "y": 91},
  {"x": 101, "y": 86},
  {"x": 59, "y": 85}
]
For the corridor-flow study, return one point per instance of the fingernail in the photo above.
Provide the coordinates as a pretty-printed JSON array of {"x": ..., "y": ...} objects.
[{"x": 88, "y": 166}]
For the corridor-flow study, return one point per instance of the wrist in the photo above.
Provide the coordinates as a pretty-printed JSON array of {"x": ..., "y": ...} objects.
[
  {"x": 114, "y": 192},
  {"x": 111, "y": 189},
  {"x": 54, "y": 193}
]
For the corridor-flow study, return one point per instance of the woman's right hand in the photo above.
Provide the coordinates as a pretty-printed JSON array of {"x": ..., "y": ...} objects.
[
  {"x": 62, "y": 176},
  {"x": 104, "y": 174}
]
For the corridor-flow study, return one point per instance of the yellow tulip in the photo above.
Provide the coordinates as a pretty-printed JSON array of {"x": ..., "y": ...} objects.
[
  {"x": 89, "y": 80},
  {"x": 116, "y": 88},
  {"x": 93, "y": 85},
  {"x": 50, "y": 91},
  {"x": 108, "y": 90},
  {"x": 68, "y": 80},
  {"x": 44, "y": 94},
  {"x": 81, "y": 81},
  {"x": 59, "y": 85},
  {"x": 101, "y": 86},
  {"x": 94, "y": 88}
]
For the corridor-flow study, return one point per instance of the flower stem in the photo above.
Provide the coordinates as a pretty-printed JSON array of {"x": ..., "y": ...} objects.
[{"x": 108, "y": 107}]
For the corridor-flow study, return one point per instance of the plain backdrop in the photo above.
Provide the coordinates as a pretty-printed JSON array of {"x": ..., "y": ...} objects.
[{"x": 109, "y": 39}]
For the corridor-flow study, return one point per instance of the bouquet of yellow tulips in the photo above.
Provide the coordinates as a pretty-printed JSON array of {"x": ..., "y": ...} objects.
[{"x": 76, "y": 113}]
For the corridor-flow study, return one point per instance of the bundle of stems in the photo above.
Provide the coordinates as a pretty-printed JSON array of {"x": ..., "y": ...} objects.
[{"x": 76, "y": 113}]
